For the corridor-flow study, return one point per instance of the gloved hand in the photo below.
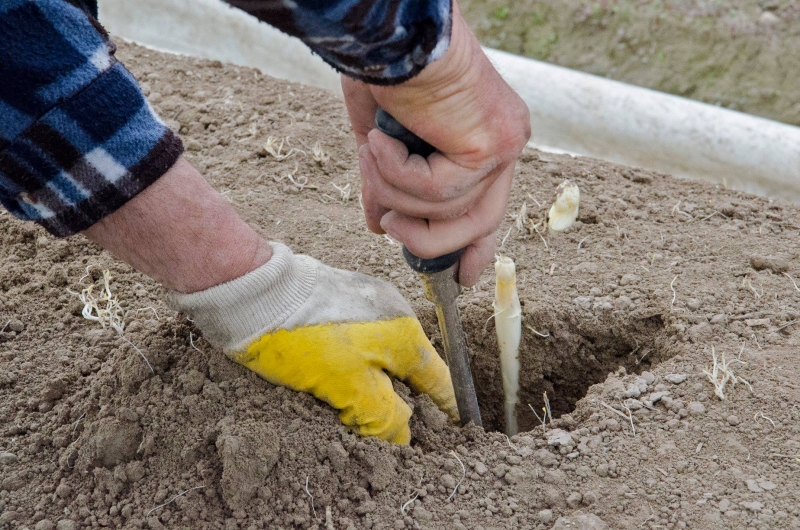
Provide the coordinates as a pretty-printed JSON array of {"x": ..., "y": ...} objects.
[{"x": 335, "y": 334}]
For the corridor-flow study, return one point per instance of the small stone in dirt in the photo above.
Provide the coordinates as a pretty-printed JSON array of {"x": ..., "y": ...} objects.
[
  {"x": 767, "y": 18},
  {"x": 776, "y": 264},
  {"x": 545, "y": 516},
  {"x": 611, "y": 425},
  {"x": 7, "y": 458},
  {"x": 733, "y": 420},
  {"x": 632, "y": 392},
  {"x": 753, "y": 506},
  {"x": 12, "y": 483},
  {"x": 766, "y": 484},
  {"x": 675, "y": 379},
  {"x": 583, "y": 302},
  {"x": 586, "y": 267},
  {"x": 694, "y": 304},
  {"x": 719, "y": 318},
  {"x": 154, "y": 524},
  {"x": 16, "y": 325},
  {"x": 633, "y": 404},
  {"x": 45, "y": 524},
  {"x": 63, "y": 491},
  {"x": 448, "y": 481},
  {"x": 753, "y": 486},
  {"x": 648, "y": 378},
  {"x": 559, "y": 437},
  {"x": 580, "y": 521},
  {"x": 695, "y": 408},
  {"x": 422, "y": 514},
  {"x": 500, "y": 470},
  {"x": 574, "y": 499},
  {"x": 700, "y": 331},
  {"x": 515, "y": 475},
  {"x": 554, "y": 476},
  {"x": 54, "y": 390},
  {"x": 65, "y": 524},
  {"x": 545, "y": 458},
  {"x": 623, "y": 302},
  {"x": 590, "y": 497},
  {"x": 655, "y": 397}
]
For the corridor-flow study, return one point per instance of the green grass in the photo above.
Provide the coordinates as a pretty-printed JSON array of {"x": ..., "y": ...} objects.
[{"x": 500, "y": 13}]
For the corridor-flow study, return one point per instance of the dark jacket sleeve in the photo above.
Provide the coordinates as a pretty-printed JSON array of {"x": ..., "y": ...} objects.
[
  {"x": 77, "y": 137},
  {"x": 381, "y": 42}
]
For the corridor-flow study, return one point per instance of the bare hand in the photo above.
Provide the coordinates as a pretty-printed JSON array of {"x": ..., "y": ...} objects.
[{"x": 457, "y": 196}]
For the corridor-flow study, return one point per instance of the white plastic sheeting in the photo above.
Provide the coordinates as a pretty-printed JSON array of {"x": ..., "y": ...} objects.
[
  {"x": 214, "y": 30},
  {"x": 593, "y": 116},
  {"x": 570, "y": 111}
]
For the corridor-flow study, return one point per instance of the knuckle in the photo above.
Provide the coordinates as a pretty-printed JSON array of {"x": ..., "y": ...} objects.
[{"x": 422, "y": 249}]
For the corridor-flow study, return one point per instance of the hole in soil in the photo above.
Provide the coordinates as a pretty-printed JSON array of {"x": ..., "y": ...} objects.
[{"x": 578, "y": 354}]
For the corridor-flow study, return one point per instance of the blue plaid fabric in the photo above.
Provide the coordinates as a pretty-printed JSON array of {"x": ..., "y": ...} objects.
[
  {"x": 382, "y": 42},
  {"x": 77, "y": 137}
]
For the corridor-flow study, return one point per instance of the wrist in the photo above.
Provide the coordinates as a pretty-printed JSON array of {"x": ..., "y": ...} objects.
[
  {"x": 182, "y": 233},
  {"x": 461, "y": 105},
  {"x": 457, "y": 70},
  {"x": 234, "y": 313}
]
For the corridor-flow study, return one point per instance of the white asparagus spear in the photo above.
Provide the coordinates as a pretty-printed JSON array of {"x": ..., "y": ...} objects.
[
  {"x": 564, "y": 210},
  {"x": 508, "y": 323}
]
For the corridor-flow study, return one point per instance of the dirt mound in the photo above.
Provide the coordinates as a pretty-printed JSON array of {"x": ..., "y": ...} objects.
[{"x": 621, "y": 314}]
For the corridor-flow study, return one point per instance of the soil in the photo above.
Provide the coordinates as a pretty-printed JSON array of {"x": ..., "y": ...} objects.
[
  {"x": 621, "y": 313},
  {"x": 736, "y": 54}
]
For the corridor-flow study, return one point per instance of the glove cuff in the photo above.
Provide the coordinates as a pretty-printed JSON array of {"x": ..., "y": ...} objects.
[{"x": 232, "y": 314}]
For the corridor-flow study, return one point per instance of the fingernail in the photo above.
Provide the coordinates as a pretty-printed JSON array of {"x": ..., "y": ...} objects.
[{"x": 386, "y": 225}]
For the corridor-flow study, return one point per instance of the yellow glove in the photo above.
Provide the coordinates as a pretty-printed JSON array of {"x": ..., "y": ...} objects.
[{"x": 335, "y": 334}]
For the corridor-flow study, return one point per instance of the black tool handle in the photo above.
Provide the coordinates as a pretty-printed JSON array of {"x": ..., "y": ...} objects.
[{"x": 416, "y": 146}]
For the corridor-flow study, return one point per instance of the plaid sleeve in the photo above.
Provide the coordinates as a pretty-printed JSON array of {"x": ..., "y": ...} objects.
[
  {"x": 77, "y": 137},
  {"x": 383, "y": 42}
]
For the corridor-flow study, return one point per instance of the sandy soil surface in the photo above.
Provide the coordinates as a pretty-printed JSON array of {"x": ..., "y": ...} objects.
[
  {"x": 739, "y": 54},
  {"x": 621, "y": 316}
]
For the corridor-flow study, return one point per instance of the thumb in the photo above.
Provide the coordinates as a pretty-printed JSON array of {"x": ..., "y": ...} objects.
[{"x": 425, "y": 370}]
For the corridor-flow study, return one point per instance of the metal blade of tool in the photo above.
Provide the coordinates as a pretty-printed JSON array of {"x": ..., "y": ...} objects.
[{"x": 440, "y": 280}]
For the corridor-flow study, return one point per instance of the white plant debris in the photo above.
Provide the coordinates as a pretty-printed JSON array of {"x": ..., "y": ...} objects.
[
  {"x": 319, "y": 155},
  {"x": 721, "y": 374},
  {"x": 276, "y": 150},
  {"x": 564, "y": 210},
  {"x": 105, "y": 309}
]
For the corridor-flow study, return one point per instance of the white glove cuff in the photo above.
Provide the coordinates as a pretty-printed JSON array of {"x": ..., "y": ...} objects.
[{"x": 232, "y": 314}]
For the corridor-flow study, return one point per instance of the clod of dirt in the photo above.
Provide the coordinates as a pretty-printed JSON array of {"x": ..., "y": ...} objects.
[
  {"x": 110, "y": 442},
  {"x": 193, "y": 381},
  {"x": 249, "y": 451},
  {"x": 776, "y": 264},
  {"x": 580, "y": 522}
]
